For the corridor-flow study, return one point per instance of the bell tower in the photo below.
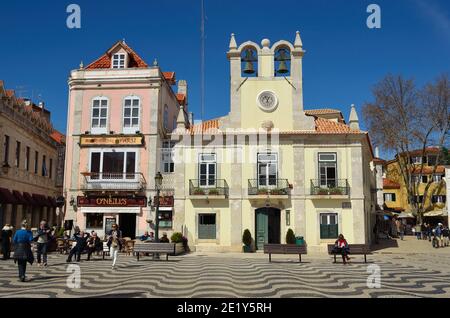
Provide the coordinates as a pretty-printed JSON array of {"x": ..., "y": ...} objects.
[{"x": 266, "y": 84}]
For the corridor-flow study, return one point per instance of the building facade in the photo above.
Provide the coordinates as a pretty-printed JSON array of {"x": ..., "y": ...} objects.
[
  {"x": 423, "y": 175},
  {"x": 269, "y": 165},
  {"x": 119, "y": 115},
  {"x": 31, "y": 161}
]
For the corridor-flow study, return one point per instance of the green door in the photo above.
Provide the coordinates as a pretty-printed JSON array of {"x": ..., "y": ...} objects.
[{"x": 262, "y": 233}]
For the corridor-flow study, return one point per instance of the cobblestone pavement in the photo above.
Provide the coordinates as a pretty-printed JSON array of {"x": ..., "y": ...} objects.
[{"x": 237, "y": 275}]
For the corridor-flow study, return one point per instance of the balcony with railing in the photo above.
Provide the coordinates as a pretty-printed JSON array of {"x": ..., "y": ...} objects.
[
  {"x": 331, "y": 188},
  {"x": 271, "y": 187},
  {"x": 112, "y": 181},
  {"x": 208, "y": 188}
]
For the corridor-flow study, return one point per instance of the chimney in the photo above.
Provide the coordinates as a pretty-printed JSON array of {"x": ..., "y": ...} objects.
[
  {"x": 191, "y": 118},
  {"x": 183, "y": 89},
  {"x": 377, "y": 152},
  {"x": 41, "y": 105}
]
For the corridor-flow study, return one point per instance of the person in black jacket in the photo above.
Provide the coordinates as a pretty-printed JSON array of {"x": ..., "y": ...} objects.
[
  {"x": 81, "y": 241},
  {"x": 6, "y": 241},
  {"x": 93, "y": 244}
]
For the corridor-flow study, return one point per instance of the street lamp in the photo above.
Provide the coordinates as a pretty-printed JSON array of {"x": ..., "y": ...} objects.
[{"x": 158, "y": 183}]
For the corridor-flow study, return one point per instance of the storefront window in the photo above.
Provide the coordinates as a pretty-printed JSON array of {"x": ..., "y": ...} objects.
[
  {"x": 165, "y": 219},
  {"x": 94, "y": 220}
]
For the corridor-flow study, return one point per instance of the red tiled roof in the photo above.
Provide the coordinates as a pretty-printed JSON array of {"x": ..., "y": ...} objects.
[
  {"x": 419, "y": 152},
  {"x": 427, "y": 169},
  {"x": 104, "y": 61},
  {"x": 204, "y": 126},
  {"x": 181, "y": 98},
  {"x": 58, "y": 137},
  {"x": 323, "y": 111},
  {"x": 170, "y": 76},
  {"x": 379, "y": 160},
  {"x": 9, "y": 93},
  {"x": 389, "y": 184},
  {"x": 326, "y": 126}
]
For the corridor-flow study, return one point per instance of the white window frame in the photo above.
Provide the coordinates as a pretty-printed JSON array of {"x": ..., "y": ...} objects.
[
  {"x": 209, "y": 163},
  {"x": 121, "y": 60},
  {"x": 125, "y": 150},
  {"x": 268, "y": 163},
  {"x": 323, "y": 182},
  {"x": 388, "y": 197},
  {"x": 416, "y": 160},
  {"x": 98, "y": 129},
  {"x": 131, "y": 129},
  {"x": 167, "y": 156},
  {"x": 437, "y": 178}
]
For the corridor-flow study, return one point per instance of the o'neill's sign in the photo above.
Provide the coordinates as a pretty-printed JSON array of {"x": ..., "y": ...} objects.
[
  {"x": 111, "y": 201},
  {"x": 89, "y": 141}
]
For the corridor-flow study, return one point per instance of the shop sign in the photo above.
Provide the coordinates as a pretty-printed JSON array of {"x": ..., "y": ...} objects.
[
  {"x": 111, "y": 201},
  {"x": 165, "y": 201},
  {"x": 86, "y": 141}
]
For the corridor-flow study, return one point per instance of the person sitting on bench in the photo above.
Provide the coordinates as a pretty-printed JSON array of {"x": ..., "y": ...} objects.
[
  {"x": 341, "y": 247},
  {"x": 164, "y": 238},
  {"x": 80, "y": 239}
]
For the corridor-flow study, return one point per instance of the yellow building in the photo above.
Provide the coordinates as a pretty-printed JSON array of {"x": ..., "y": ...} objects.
[
  {"x": 269, "y": 165},
  {"x": 397, "y": 198}
]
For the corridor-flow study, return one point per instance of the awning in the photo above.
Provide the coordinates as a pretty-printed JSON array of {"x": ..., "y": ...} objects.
[
  {"x": 436, "y": 213},
  {"x": 19, "y": 197},
  {"x": 405, "y": 215},
  {"x": 40, "y": 199},
  {"x": 6, "y": 197},
  {"x": 29, "y": 199},
  {"x": 52, "y": 202}
]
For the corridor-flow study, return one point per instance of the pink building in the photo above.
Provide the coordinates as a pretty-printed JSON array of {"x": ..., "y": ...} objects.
[{"x": 120, "y": 113}]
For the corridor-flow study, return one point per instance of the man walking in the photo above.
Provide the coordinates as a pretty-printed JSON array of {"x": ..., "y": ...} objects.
[{"x": 42, "y": 239}]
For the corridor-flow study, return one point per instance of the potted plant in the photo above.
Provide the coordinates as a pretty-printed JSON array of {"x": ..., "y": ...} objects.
[
  {"x": 198, "y": 191},
  {"x": 335, "y": 191},
  {"x": 247, "y": 240},
  {"x": 322, "y": 191},
  {"x": 290, "y": 237},
  {"x": 276, "y": 192},
  {"x": 263, "y": 191},
  {"x": 213, "y": 192},
  {"x": 177, "y": 238}
]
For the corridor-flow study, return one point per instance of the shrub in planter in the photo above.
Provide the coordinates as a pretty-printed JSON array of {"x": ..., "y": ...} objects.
[
  {"x": 335, "y": 191},
  {"x": 199, "y": 191},
  {"x": 213, "y": 192},
  {"x": 322, "y": 191},
  {"x": 247, "y": 240},
  {"x": 263, "y": 191},
  {"x": 176, "y": 237},
  {"x": 290, "y": 237}
]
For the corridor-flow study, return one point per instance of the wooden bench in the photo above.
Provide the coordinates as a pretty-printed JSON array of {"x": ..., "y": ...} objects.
[
  {"x": 284, "y": 249},
  {"x": 154, "y": 248},
  {"x": 355, "y": 249}
]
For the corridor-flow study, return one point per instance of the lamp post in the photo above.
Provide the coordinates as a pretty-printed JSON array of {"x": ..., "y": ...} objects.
[{"x": 158, "y": 183}]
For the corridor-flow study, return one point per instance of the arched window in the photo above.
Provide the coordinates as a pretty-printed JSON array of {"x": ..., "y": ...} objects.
[
  {"x": 166, "y": 117},
  {"x": 282, "y": 62},
  {"x": 99, "y": 116},
  {"x": 131, "y": 111},
  {"x": 249, "y": 62}
]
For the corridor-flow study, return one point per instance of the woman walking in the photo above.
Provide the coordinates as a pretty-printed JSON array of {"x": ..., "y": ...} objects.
[
  {"x": 114, "y": 243},
  {"x": 22, "y": 253}
]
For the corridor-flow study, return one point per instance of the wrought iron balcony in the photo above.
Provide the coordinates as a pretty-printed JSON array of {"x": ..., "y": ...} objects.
[
  {"x": 271, "y": 186},
  {"x": 112, "y": 181},
  {"x": 208, "y": 187},
  {"x": 330, "y": 187}
]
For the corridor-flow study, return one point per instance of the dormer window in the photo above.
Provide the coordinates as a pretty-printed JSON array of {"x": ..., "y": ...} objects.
[{"x": 118, "y": 60}]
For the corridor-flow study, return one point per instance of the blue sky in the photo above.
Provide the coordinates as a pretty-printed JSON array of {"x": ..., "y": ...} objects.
[{"x": 343, "y": 60}]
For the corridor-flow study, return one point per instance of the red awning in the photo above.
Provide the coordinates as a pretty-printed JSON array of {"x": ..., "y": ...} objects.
[
  {"x": 52, "y": 202},
  {"x": 6, "y": 197},
  {"x": 19, "y": 197},
  {"x": 40, "y": 199},
  {"x": 29, "y": 199}
]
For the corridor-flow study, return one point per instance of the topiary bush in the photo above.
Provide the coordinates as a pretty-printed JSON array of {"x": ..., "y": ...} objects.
[
  {"x": 177, "y": 237},
  {"x": 247, "y": 237},
  {"x": 290, "y": 237}
]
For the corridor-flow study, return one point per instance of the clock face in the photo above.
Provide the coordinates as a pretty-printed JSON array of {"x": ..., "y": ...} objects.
[{"x": 267, "y": 101}]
